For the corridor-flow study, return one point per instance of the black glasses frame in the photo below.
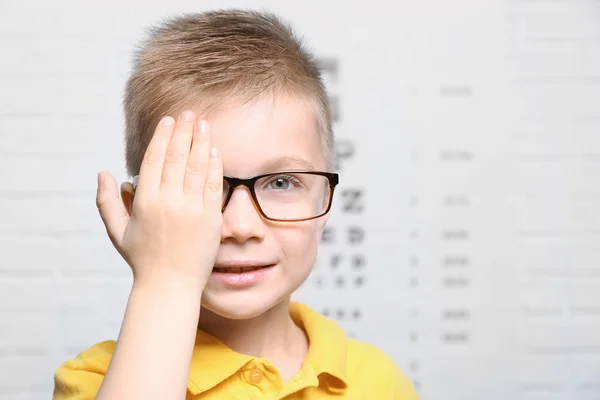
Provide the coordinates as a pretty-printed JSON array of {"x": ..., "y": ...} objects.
[{"x": 249, "y": 183}]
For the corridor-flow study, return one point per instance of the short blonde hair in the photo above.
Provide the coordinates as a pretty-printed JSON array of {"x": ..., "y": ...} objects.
[{"x": 218, "y": 55}]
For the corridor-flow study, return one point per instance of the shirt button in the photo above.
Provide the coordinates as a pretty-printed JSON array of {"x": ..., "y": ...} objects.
[{"x": 256, "y": 375}]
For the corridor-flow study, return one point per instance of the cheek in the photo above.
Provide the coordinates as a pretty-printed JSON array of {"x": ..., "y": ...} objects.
[{"x": 299, "y": 245}]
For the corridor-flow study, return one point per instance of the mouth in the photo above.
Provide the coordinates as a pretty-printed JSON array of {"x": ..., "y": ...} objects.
[
  {"x": 240, "y": 266},
  {"x": 240, "y": 270},
  {"x": 245, "y": 274}
]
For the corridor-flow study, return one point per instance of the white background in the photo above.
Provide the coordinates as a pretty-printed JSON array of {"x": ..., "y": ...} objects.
[{"x": 475, "y": 128}]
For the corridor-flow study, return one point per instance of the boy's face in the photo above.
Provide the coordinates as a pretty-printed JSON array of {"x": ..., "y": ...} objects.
[{"x": 267, "y": 135}]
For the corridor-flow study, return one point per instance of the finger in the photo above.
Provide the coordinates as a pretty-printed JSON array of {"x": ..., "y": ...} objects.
[
  {"x": 178, "y": 152},
  {"x": 152, "y": 165},
  {"x": 213, "y": 190},
  {"x": 197, "y": 166},
  {"x": 111, "y": 208}
]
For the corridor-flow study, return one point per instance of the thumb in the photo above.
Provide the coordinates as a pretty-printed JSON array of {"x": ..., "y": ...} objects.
[{"x": 111, "y": 208}]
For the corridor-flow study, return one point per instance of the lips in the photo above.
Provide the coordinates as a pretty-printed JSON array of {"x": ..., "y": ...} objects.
[
  {"x": 239, "y": 267},
  {"x": 237, "y": 270}
]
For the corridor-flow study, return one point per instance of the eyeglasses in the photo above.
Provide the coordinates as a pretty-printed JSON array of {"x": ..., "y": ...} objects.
[{"x": 287, "y": 196}]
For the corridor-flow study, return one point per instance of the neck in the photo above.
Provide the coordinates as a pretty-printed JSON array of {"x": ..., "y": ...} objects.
[{"x": 272, "y": 335}]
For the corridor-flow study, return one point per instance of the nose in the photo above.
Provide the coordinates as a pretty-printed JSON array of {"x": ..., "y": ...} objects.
[{"x": 241, "y": 219}]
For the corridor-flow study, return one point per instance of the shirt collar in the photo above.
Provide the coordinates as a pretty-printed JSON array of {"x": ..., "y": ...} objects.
[
  {"x": 328, "y": 348},
  {"x": 213, "y": 362}
]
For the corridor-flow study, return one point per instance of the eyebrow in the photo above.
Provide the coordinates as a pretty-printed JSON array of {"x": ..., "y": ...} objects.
[{"x": 286, "y": 162}]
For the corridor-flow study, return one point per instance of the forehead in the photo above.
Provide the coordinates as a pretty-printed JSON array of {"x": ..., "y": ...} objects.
[{"x": 267, "y": 134}]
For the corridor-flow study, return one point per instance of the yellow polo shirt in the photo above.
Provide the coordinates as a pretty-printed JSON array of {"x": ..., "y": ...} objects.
[{"x": 335, "y": 367}]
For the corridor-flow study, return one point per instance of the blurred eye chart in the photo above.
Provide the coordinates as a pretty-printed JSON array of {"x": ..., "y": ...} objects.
[{"x": 464, "y": 238}]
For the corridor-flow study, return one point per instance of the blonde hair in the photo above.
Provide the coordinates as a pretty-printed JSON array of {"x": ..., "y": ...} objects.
[{"x": 218, "y": 55}]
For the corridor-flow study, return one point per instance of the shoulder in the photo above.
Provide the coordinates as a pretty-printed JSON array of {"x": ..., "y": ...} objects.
[
  {"x": 371, "y": 362},
  {"x": 81, "y": 377},
  {"x": 365, "y": 355}
]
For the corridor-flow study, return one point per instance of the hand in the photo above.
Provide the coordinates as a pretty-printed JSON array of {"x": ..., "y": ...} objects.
[{"x": 174, "y": 228}]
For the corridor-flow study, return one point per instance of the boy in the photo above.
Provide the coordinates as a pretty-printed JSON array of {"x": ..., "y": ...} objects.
[{"x": 215, "y": 258}]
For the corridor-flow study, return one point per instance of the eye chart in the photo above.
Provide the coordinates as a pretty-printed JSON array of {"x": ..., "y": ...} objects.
[{"x": 464, "y": 238}]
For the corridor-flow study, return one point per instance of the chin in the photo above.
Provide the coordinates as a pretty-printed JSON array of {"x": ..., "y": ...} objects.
[{"x": 245, "y": 304}]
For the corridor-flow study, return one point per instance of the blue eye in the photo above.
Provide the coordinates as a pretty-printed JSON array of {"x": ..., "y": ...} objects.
[{"x": 283, "y": 182}]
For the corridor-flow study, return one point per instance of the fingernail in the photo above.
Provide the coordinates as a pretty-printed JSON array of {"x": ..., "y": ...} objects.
[
  {"x": 100, "y": 178},
  {"x": 213, "y": 152},
  {"x": 203, "y": 127},
  {"x": 168, "y": 121},
  {"x": 187, "y": 115}
]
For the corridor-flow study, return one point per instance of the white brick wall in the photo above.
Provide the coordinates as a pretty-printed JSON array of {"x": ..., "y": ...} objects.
[{"x": 491, "y": 102}]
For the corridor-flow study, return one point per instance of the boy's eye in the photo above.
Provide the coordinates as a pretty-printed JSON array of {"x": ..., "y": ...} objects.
[{"x": 282, "y": 182}]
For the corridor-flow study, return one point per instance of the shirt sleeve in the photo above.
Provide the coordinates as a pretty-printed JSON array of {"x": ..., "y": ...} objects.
[
  {"x": 386, "y": 378},
  {"x": 81, "y": 377},
  {"x": 403, "y": 388}
]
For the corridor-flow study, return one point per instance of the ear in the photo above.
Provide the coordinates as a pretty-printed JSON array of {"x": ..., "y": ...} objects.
[{"x": 127, "y": 195}]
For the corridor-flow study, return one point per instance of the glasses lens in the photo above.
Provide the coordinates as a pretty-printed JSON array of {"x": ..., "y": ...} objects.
[{"x": 292, "y": 196}]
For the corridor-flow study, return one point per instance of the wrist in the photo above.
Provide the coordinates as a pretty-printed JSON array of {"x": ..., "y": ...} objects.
[{"x": 169, "y": 285}]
